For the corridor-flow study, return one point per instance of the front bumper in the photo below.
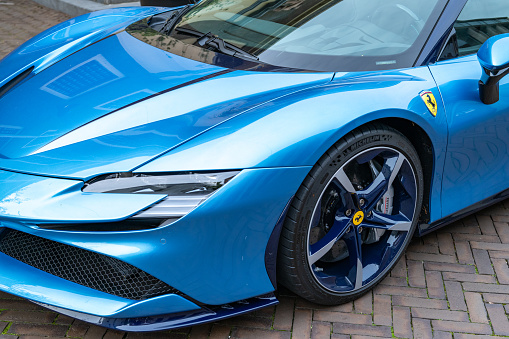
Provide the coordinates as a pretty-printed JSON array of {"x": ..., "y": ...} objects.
[{"x": 215, "y": 255}]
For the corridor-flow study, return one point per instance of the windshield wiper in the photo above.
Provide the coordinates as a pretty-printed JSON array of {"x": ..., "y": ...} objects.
[
  {"x": 168, "y": 22},
  {"x": 211, "y": 40}
]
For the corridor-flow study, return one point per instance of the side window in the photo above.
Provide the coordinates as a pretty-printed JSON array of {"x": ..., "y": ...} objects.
[{"x": 480, "y": 20}]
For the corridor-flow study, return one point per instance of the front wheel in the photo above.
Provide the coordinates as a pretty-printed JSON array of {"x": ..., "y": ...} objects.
[{"x": 352, "y": 218}]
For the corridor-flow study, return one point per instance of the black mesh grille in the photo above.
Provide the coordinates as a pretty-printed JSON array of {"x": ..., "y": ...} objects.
[{"x": 83, "y": 267}]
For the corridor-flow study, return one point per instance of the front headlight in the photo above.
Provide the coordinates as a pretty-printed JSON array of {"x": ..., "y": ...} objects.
[{"x": 184, "y": 191}]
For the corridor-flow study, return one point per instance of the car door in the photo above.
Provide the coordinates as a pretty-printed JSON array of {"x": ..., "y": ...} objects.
[{"x": 477, "y": 159}]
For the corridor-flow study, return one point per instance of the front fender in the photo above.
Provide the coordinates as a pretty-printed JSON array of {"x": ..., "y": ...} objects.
[
  {"x": 68, "y": 37},
  {"x": 297, "y": 129}
]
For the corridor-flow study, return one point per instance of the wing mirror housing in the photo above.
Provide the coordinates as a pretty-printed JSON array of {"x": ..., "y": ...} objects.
[{"x": 494, "y": 59}]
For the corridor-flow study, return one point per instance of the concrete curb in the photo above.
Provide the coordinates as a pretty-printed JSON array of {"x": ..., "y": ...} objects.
[{"x": 79, "y": 7}]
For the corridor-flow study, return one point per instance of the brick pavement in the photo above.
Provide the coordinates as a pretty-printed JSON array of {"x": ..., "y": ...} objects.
[
  {"x": 22, "y": 19},
  {"x": 453, "y": 283}
]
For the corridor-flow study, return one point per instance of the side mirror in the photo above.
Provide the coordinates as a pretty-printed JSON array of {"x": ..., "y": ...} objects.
[{"x": 494, "y": 59}]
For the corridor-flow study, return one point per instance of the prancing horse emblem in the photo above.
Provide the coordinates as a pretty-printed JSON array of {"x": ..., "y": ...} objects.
[
  {"x": 357, "y": 218},
  {"x": 430, "y": 101}
]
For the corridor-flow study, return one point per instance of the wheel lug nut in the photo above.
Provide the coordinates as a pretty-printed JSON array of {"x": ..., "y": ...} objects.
[
  {"x": 370, "y": 214},
  {"x": 348, "y": 213},
  {"x": 362, "y": 202},
  {"x": 349, "y": 229},
  {"x": 360, "y": 229}
]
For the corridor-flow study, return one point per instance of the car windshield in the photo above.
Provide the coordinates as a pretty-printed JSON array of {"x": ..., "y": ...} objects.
[{"x": 318, "y": 34}]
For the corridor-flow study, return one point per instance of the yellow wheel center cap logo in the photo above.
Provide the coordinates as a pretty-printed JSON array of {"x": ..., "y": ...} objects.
[{"x": 357, "y": 218}]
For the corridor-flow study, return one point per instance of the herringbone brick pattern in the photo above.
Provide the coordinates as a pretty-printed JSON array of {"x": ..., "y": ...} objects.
[
  {"x": 22, "y": 19},
  {"x": 453, "y": 283}
]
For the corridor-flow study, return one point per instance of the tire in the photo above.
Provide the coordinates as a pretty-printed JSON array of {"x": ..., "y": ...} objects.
[{"x": 352, "y": 218}]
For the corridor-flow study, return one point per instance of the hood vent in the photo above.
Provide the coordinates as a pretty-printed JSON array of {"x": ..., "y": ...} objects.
[{"x": 16, "y": 80}]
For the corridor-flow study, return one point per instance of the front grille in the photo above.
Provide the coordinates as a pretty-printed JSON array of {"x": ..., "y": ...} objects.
[{"x": 83, "y": 267}]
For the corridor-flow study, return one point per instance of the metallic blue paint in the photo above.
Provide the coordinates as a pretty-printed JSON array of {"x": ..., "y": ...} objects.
[
  {"x": 68, "y": 37},
  {"x": 478, "y": 139},
  {"x": 145, "y": 110},
  {"x": 235, "y": 271},
  {"x": 493, "y": 55}
]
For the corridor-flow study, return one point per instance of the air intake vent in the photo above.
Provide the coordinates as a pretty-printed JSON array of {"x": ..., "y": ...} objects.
[
  {"x": 83, "y": 267},
  {"x": 16, "y": 80}
]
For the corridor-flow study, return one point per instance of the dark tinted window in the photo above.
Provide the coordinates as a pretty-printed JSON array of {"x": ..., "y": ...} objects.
[{"x": 480, "y": 20}]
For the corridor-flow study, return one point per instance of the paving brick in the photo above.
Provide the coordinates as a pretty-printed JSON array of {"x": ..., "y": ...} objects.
[
  {"x": 435, "y": 285},
  {"x": 442, "y": 335},
  {"x": 502, "y": 231},
  {"x": 283, "y": 318},
  {"x": 419, "y": 302},
  {"x": 394, "y": 281},
  {"x": 473, "y": 336},
  {"x": 496, "y": 298},
  {"x": 249, "y": 321},
  {"x": 302, "y": 324},
  {"x": 416, "y": 276},
  {"x": 397, "y": 290},
  {"x": 399, "y": 269},
  {"x": 253, "y": 333},
  {"x": 443, "y": 267},
  {"x": 351, "y": 318},
  {"x": 219, "y": 332},
  {"x": 427, "y": 313},
  {"x": 489, "y": 288},
  {"x": 95, "y": 332},
  {"x": 364, "y": 304},
  {"x": 28, "y": 316},
  {"x": 486, "y": 279},
  {"x": 200, "y": 331},
  {"x": 402, "y": 322},
  {"x": 422, "y": 328},
  {"x": 382, "y": 310},
  {"x": 501, "y": 269},
  {"x": 377, "y": 331},
  {"x": 486, "y": 225},
  {"x": 455, "y": 296},
  {"x": 461, "y": 327},
  {"x": 321, "y": 330},
  {"x": 489, "y": 246},
  {"x": 78, "y": 329},
  {"x": 464, "y": 252},
  {"x": 476, "y": 238},
  {"x": 431, "y": 257},
  {"x": 482, "y": 261},
  {"x": 498, "y": 319},
  {"x": 476, "y": 308},
  {"x": 38, "y": 329},
  {"x": 446, "y": 244}
]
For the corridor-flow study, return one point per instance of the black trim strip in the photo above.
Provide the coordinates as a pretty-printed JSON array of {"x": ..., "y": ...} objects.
[
  {"x": 428, "y": 228},
  {"x": 14, "y": 81}
]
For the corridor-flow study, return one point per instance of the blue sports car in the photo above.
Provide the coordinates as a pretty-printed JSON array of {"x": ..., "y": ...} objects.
[{"x": 163, "y": 167}]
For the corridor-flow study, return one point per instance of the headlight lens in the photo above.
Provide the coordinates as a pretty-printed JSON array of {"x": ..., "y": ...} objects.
[{"x": 184, "y": 191}]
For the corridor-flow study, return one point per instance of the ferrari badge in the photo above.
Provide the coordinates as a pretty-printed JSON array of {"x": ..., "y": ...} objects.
[{"x": 430, "y": 101}]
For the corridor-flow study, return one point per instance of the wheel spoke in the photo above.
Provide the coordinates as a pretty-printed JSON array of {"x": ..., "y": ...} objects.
[
  {"x": 397, "y": 222},
  {"x": 322, "y": 246},
  {"x": 353, "y": 243},
  {"x": 374, "y": 192},
  {"x": 344, "y": 181}
]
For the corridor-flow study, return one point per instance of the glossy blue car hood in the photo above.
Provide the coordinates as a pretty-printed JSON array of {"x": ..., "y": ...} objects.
[{"x": 120, "y": 102}]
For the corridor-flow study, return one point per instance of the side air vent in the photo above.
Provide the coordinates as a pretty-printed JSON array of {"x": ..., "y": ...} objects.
[
  {"x": 16, "y": 80},
  {"x": 83, "y": 267}
]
